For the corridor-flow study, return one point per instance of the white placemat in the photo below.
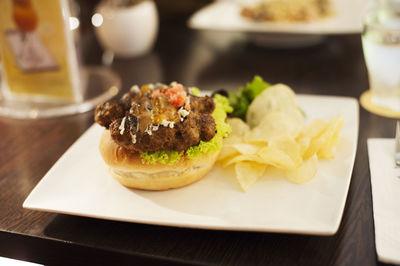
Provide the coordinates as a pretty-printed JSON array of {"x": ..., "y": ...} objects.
[{"x": 385, "y": 182}]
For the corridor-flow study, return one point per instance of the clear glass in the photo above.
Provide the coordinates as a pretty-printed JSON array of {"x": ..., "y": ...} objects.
[
  {"x": 100, "y": 84},
  {"x": 41, "y": 72},
  {"x": 381, "y": 47}
]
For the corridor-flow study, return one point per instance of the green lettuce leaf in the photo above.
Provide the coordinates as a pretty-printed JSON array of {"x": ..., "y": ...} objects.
[
  {"x": 241, "y": 100},
  {"x": 254, "y": 88},
  {"x": 164, "y": 157}
]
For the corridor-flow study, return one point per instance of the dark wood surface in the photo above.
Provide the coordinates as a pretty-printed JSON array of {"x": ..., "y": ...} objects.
[{"x": 209, "y": 60}]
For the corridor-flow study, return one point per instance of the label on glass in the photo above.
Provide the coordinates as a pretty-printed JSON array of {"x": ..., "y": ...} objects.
[{"x": 37, "y": 50}]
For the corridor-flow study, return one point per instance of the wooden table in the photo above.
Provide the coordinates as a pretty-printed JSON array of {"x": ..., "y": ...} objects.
[{"x": 210, "y": 60}]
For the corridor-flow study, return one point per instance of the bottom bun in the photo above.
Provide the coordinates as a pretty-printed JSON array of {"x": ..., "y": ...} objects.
[{"x": 128, "y": 169}]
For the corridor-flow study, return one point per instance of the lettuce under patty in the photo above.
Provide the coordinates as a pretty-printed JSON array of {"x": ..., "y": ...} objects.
[{"x": 222, "y": 107}]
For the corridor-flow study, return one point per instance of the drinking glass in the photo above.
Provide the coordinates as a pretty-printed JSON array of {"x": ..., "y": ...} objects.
[
  {"x": 40, "y": 68},
  {"x": 381, "y": 47}
]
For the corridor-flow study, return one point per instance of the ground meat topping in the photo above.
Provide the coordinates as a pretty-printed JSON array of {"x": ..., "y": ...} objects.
[
  {"x": 107, "y": 112},
  {"x": 158, "y": 117}
]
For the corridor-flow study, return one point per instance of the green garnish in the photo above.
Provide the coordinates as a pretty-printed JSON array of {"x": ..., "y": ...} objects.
[
  {"x": 254, "y": 88},
  {"x": 195, "y": 91},
  {"x": 164, "y": 157},
  {"x": 241, "y": 100},
  {"x": 239, "y": 103}
]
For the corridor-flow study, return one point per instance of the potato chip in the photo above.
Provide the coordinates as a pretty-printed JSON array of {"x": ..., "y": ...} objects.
[
  {"x": 247, "y": 173},
  {"x": 328, "y": 149},
  {"x": 233, "y": 139},
  {"x": 314, "y": 129},
  {"x": 244, "y": 148},
  {"x": 275, "y": 124},
  {"x": 243, "y": 158},
  {"x": 238, "y": 126},
  {"x": 278, "y": 97},
  {"x": 323, "y": 143},
  {"x": 305, "y": 172},
  {"x": 276, "y": 137},
  {"x": 312, "y": 133},
  {"x": 228, "y": 149},
  {"x": 225, "y": 162},
  {"x": 304, "y": 143},
  {"x": 276, "y": 157},
  {"x": 289, "y": 146}
]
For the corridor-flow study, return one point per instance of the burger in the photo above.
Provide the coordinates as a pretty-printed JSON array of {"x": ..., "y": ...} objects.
[{"x": 159, "y": 136}]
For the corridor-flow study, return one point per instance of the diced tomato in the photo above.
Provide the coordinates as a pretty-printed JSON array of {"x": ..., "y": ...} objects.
[{"x": 176, "y": 95}]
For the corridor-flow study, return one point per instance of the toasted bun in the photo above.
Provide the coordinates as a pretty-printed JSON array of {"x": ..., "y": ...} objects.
[{"x": 129, "y": 170}]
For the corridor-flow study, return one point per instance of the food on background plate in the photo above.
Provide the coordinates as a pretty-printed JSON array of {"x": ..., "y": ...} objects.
[
  {"x": 161, "y": 136},
  {"x": 276, "y": 136},
  {"x": 288, "y": 10}
]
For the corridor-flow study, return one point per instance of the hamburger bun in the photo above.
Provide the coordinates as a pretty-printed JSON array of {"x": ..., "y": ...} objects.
[{"x": 128, "y": 169}]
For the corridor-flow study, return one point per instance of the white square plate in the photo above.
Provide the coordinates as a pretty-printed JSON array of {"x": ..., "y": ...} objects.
[
  {"x": 385, "y": 184},
  {"x": 79, "y": 184},
  {"x": 225, "y": 15}
]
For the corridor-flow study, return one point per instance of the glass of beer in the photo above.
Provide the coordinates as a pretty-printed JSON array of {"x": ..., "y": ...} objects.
[{"x": 41, "y": 75}]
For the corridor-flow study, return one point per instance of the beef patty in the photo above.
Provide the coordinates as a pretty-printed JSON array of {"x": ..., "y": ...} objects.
[{"x": 158, "y": 117}]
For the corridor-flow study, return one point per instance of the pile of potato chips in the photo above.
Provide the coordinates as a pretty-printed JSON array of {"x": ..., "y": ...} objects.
[{"x": 276, "y": 136}]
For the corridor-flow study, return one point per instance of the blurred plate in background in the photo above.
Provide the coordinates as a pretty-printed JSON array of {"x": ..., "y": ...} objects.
[{"x": 225, "y": 15}]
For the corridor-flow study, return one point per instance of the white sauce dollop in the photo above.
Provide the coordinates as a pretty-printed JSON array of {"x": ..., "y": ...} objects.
[
  {"x": 122, "y": 126},
  {"x": 166, "y": 123},
  {"x": 182, "y": 112}
]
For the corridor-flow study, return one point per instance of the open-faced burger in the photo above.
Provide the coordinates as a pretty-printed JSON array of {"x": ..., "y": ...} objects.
[{"x": 161, "y": 136}]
